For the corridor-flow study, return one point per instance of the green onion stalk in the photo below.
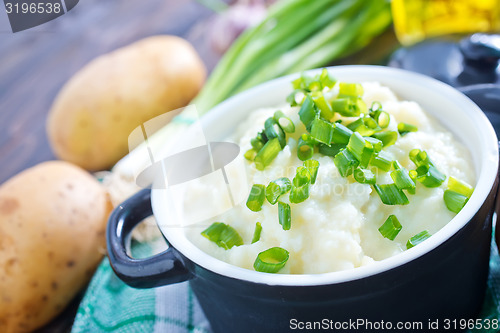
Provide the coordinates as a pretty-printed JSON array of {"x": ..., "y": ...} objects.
[{"x": 295, "y": 36}]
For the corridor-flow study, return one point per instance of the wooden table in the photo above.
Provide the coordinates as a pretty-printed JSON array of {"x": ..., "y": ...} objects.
[{"x": 36, "y": 63}]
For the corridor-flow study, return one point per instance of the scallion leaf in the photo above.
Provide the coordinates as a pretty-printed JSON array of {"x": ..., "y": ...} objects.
[
  {"x": 388, "y": 138},
  {"x": 348, "y": 107},
  {"x": 376, "y": 143},
  {"x": 417, "y": 239},
  {"x": 454, "y": 201},
  {"x": 277, "y": 188},
  {"x": 390, "y": 194},
  {"x": 302, "y": 176},
  {"x": 391, "y": 227},
  {"x": 322, "y": 104},
  {"x": 360, "y": 127},
  {"x": 305, "y": 148},
  {"x": 326, "y": 79},
  {"x": 364, "y": 176},
  {"x": 402, "y": 179},
  {"x": 459, "y": 186},
  {"x": 341, "y": 134},
  {"x": 404, "y": 128},
  {"x": 430, "y": 176},
  {"x": 223, "y": 235},
  {"x": 299, "y": 194},
  {"x": 267, "y": 154},
  {"x": 257, "y": 143},
  {"x": 308, "y": 112},
  {"x": 382, "y": 161},
  {"x": 256, "y": 197},
  {"x": 256, "y": 233},
  {"x": 322, "y": 130},
  {"x": 292, "y": 98},
  {"x": 284, "y": 122},
  {"x": 284, "y": 215},
  {"x": 331, "y": 150},
  {"x": 350, "y": 89},
  {"x": 273, "y": 130},
  {"x": 345, "y": 162},
  {"x": 312, "y": 166},
  {"x": 250, "y": 154},
  {"x": 271, "y": 260},
  {"x": 382, "y": 118}
]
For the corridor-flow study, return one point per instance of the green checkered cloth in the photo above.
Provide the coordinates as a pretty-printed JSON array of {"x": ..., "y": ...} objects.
[{"x": 111, "y": 306}]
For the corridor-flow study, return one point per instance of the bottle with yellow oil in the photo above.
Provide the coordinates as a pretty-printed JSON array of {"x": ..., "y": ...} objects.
[{"x": 415, "y": 20}]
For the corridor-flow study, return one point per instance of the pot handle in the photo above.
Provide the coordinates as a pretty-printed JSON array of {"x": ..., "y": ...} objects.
[{"x": 161, "y": 269}]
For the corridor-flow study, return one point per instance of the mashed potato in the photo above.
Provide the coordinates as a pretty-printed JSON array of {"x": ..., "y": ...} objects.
[{"x": 336, "y": 228}]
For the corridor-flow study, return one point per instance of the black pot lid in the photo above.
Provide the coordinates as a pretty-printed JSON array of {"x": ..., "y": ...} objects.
[
  {"x": 470, "y": 65},
  {"x": 487, "y": 97}
]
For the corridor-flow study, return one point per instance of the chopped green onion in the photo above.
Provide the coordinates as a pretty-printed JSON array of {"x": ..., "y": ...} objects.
[
  {"x": 382, "y": 118},
  {"x": 292, "y": 98},
  {"x": 360, "y": 127},
  {"x": 391, "y": 227},
  {"x": 454, "y": 201},
  {"x": 257, "y": 143},
  {"x": 419, "y": 157},
  {"x": 349, "y": 107},
  {"x": 284, "y": 122},
  {"x": 459, "y": 186},
  {"x": 401, "y": 178},
  {"x": 250, "y": 154},
  {"x": 267, "y": 154},
  {"x": 304, "y": 82},
  {"x": 308, "y": 112},
  {"x": 345, "y": 162},
  {"x": 273, "y": 130},
  {"x": 364, "y": 176},
  {"x": 324, "y": 107},
  {"x": 312, "y": 166},
  {"x": 331, "y": 150},
  {"x": 271, "y": 260},
  {"x": 223, "y": 235},
  {"x": 326, "y": 79},
  {"x": 341, "y": 134},
  {"x": 382, "y": 161},
  {"x": 256, "y": 197},
  {"x": 284, "y": 215},
  {"x": 404, "y": 128},
  {"x": 277, "y": 188},
  {"x": 375, "y": 106},
  {"x": 302, "y": 176},
  {"x": 305, "y": 148},
  {"x": 361, "y": 149},
  {"x": 390, "y": 194},
  {"x": 322, "y": 130},
  {"x": 417, "y": 239},
  {"x": 299, "y": 194},
  {"x": 388, "y": 138},
  {"x": 350, "y": 89},
  {"x": 430, "y": 176},
  {"x": 376, "y": 143},
  {"x": 257, "y": 232}
]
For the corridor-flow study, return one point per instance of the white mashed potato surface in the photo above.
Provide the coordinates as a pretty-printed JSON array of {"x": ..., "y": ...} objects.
[{"x": 336, "y": 228}]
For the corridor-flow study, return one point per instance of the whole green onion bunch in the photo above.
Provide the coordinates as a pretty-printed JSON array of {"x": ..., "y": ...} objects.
[{"x": 296, "y": 35}]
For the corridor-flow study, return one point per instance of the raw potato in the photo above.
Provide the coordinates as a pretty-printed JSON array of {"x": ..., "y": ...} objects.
[
  {"x": 98, "y": 108},
  {"x": 52, "y": 237}
]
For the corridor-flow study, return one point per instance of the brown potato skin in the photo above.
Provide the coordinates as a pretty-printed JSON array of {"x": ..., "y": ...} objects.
[
  {"x": 94, "y": 113},
  {"x": 52, "y": 237}
]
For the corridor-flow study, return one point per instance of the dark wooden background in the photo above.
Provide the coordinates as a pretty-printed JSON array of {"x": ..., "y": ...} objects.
[{"x": 36, "y": 63}]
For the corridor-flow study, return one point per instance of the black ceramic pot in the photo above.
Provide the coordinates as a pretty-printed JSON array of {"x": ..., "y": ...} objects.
[{"x": 439, "y": 282}]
